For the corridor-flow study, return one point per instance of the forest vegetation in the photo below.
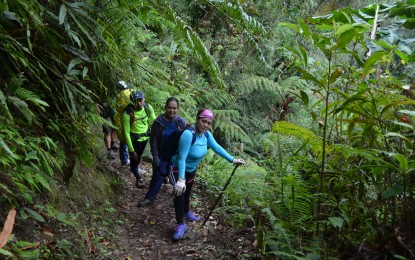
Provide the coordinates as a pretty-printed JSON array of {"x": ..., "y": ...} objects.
[{"x": 317, "y": 96}]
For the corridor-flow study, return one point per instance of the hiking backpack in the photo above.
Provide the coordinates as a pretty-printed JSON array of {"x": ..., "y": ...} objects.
[
  {"x": 130, "y": 111},
  {"x": 170, "y": 147}
]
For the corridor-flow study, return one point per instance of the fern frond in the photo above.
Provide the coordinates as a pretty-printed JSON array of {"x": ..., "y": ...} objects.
[
  {"x": 32, "y": 97},
  {"x": 22, "y": 108},
  {"x": 4, "y": 108},
  {"x": 288, "y": 128},
  {"x": 197, "y": 47},
  {"x": 248, "y": 85},
  {"x": 235, "y": 11},
  {"x": 226, "y": 123}
]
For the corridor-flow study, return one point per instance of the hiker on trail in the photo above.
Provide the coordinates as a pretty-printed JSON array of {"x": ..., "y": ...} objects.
[
  {"x": 110, "y": 136},
  {"x": 135, "y": 122},
  {"x": 161, "y": 129},
  {"x": 122, "y": 101},
  {"x": 185, "y": 164}
]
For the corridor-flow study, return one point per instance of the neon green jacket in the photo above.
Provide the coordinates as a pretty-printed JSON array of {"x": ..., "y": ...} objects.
[{"x": 140, "y": 126}]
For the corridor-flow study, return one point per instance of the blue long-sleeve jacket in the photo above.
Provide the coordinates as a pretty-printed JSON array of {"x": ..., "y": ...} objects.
[{"x": 189, "y": 156}]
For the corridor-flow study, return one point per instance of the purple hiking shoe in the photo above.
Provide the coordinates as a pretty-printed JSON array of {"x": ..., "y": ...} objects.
[
  {"x": 179, "y": 232},
  {"x": 191, "y": 217}
]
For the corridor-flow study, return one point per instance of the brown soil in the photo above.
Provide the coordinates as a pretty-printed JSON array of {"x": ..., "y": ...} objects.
[{"x": 147, "y": 232}]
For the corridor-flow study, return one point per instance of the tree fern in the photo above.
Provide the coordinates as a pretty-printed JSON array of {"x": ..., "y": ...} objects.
[
  {"x": 298, "y": 131},
  {"x": 226, "y": 123},
  {"x": 196, "y": 46},
  {"x": 234, "y": 11}
]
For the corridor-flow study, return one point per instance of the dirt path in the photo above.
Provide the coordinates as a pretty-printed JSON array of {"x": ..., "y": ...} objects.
[{"x": 146, "y": 232}]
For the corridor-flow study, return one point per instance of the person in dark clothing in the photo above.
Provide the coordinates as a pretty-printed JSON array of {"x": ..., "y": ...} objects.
[{"x": 162, "y": 127}]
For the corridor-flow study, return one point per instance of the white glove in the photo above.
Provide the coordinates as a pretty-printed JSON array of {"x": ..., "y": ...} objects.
[
  {"x": 238, "y": 161},
  {"x": 180, "y": 187}
]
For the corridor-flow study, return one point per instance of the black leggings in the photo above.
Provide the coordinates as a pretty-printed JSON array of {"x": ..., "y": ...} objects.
[
  {"x": 139, "y": 149},
  {"x": 182, "y": 202}
]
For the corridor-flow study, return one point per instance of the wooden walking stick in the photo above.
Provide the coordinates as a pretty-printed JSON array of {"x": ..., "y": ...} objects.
[{"x": 220, "y": 195}]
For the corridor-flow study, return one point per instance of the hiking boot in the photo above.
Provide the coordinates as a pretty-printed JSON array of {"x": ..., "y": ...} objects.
[
  {"x": 115, "y": 146},
  {"x": 179, "y": 232},
  {"x": 191, "y": 217},
  {"x": 127, "y": 162},
  {"x": 110, "y": 155},
  {"x": 141, "y": 171},
  {"x": 166, "y": 180},
  {"x": 145, "y": 202},
  {"x": 140, "y": 183}
]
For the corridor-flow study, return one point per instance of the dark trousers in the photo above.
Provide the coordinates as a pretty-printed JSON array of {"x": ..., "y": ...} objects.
[
  {"x": 182, "y": 203},
  {"x": 155, "y": 184},
  {"x": 123, "y": 153},
  {"x": 139, "y": 149}
]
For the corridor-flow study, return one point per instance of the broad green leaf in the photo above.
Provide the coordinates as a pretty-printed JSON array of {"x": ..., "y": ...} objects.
[
  {"x": 291, "y": 26},
  {"x": 313, "y": 115},
  {"x": 399, "y": 103},
  {"x": 336, "y": 221},
  {"x": 62, "y": 14},
  {"x": 404, "y": 124},
  {"x": 343, "y": 28},
  {"x": 348, "y": 101},
  {"x": 308, "y": 76},
  {"x": 73, "y": 63},
  {"x": 304, "y": 98},
  {"x": 34, "y": 214},
  {"x": 304, "y": 28},
  {"x": 23, "y": 214},
  {"x": 335, "y": 74},
  {"x": 359, "y": 21},
  {"x": 42, "y": 181},
  {"x": 384, "y": 44},
  {"x": 304, "y": 55},
  {"x": 408, "y": 112},
  {"x": 10, "y": 15},
  {"x": 392, "y": 192},
  {"x": 373, "y": 59},
  {"x": 403, "y": 56},
  {"x": 32, "y": 155},
  {"x": 84, "y": 72},
  {"x": 7, "y": 149},
  {"x": 403, "y": 162},
  {"x": 5, "y": 252}
]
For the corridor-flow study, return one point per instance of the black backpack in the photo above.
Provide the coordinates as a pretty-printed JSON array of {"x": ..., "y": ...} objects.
[{"x": 170, "y": 148}]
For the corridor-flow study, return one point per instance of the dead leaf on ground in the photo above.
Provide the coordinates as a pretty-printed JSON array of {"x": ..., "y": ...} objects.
[
  {"x": 35, "y": 245},
  {"x": 47, "y": 231},
  {"x": 8, "y": 228}
]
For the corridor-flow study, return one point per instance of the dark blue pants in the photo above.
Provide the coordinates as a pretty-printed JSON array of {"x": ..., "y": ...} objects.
[
  {"x": 123, "y": 153},
  {"x": 155, "y": 184}
]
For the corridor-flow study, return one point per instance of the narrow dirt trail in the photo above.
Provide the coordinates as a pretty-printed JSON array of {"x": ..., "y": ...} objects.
[{"x": 146, "y": 232}]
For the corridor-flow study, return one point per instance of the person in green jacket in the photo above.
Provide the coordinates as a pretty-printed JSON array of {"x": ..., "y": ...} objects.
[{"x": 136, "y": 124}]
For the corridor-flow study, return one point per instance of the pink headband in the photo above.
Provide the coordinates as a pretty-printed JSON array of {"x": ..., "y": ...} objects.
[{"x": 206, "y": 114}]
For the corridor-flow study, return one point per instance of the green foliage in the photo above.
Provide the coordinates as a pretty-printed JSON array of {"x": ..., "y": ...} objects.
[{"x": 308, "y": 136}]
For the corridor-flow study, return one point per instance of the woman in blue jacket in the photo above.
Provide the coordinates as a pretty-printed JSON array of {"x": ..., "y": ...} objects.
[{"x": 186, "y": 161}]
